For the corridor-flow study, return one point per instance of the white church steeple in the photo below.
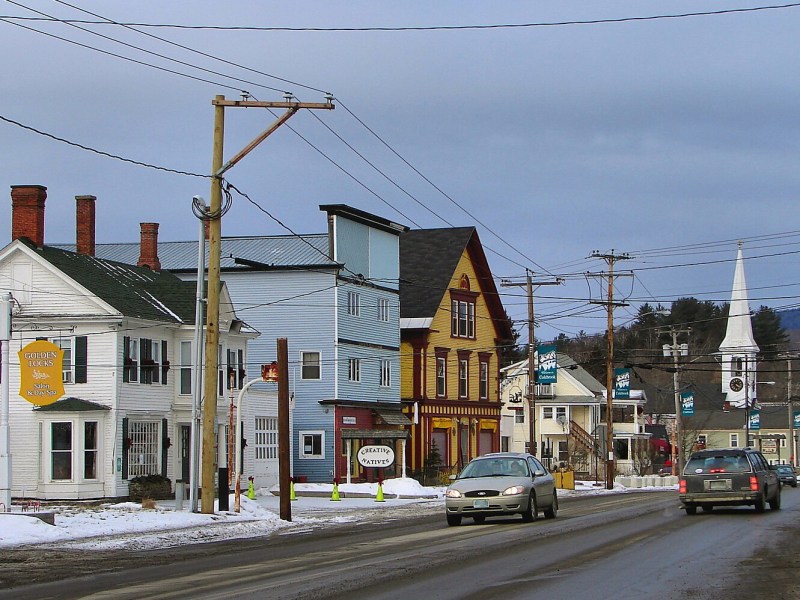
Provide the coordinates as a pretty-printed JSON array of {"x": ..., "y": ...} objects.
[{"x": 739, "y": 348}]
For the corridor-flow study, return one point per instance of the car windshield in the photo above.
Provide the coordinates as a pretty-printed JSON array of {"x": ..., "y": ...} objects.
[
  {"x": 785, "y": 469},
  {"x": 721, "y": 463},
  {"x": 495, "y": 467}
]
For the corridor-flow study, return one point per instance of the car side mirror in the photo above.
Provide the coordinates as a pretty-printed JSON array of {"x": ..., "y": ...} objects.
[
  {"x": 539, "y": 473},
  {"x": 453, "y": 477}
]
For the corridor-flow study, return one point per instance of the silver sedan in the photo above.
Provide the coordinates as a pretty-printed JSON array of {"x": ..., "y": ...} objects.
[{"x": 502, "y": 483}]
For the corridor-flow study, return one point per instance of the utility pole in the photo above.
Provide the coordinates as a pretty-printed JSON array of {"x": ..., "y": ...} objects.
[
  {"x": 675, "y": 351},
  {"x": 610, "y": 259},
  {"x": 529, "y": 283},
  {"x": 284, "y": 424},
  {"x": 214, "y": 252},
  {"x": 790, "y": 405}
]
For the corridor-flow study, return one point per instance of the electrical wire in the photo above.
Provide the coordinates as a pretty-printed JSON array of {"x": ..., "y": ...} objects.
[
  {"x": 448, "y": 27},
  {"x": 100, "y": 152}
]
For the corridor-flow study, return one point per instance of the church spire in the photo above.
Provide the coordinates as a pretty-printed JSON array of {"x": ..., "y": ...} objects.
[{"x": 739, "y": 347}]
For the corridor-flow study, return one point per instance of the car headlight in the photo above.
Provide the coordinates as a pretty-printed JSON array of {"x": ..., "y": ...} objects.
[
  {"x": 453, "y": 494},
  {"x": 514, "y": 490}
]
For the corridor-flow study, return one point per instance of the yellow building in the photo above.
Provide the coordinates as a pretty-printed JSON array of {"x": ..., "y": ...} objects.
[{"x": 453, "y": 332}]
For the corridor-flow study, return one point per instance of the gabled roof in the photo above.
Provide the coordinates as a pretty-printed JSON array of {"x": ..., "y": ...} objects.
[
  {"x": 136, "y": 292},
  {"x": 566, "y": 365},
  {"x": 428, "y": 260}
]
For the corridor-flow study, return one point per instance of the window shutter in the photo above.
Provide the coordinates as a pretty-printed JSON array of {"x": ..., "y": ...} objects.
[
  {"x": 164, "y": 362},
  {"x": 164, "y": 447},
  {"x": 145, "y": 358},
  {"x": 126, "y": 375},
  {"x": 81, "y": 359},
  {"x": 124, "y": 448}
]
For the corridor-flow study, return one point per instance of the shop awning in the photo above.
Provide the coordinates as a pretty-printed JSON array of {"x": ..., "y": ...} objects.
[
  {"x": 392, "y": 417},
  {"x": 71, "y": 404}
]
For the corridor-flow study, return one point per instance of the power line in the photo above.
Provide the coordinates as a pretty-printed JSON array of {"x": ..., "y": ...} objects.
[
  {"x": 190, "y": 49},
  {"x": 436, "y": 27},
  {"x": 445, "y": 194},
  {"x": 100, "y": 152}
]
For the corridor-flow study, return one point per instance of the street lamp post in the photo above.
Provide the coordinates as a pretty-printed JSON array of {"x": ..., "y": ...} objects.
[{"x": 268, "y": 373}]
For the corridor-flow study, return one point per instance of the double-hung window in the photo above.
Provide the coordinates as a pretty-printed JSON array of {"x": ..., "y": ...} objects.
[
  {"x": 441, "y": 377},
  {"x": 74, "y": 448},
  {"x": 65, "y": 344},
  {"x": 61, "y": 450},
  {"x": 186, "y": 367},
  {"x": 483, "y": 379},
  {"x": 386, "y": 373},
  {"x": 462, "y": 319},
  {"x": 463, "y": 378},
  {"x": 354, "y": 369},
  {"x": 90, "y": 448},
  {"x": 311, "y": 365},
  {"x": 130, "y": 359},
  {"x": 383, "y": 309},
  {"x": 353, "y": 303}
]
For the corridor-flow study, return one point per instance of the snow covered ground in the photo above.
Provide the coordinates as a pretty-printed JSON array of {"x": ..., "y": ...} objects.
[{"x": 128, "y": 525}]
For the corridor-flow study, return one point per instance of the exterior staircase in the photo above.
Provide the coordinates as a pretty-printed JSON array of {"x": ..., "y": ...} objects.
[{"x": 588, "y": 453}]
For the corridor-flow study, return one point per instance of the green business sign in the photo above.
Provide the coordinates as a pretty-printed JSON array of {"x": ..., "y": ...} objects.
[
  {"x": 548, "y": 364},
  {"x": 755, "y": 420},
  {"x": 687, "y": 404},
  {"x": 622, "y": 383}
]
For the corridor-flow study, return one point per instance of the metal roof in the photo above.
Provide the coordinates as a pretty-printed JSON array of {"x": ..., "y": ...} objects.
[{"x": 275, "y": 251}]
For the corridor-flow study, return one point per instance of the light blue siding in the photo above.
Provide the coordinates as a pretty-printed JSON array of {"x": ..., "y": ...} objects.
[
  {"x": 352, "y": 246},
  {"x": 384, "y": 267}
]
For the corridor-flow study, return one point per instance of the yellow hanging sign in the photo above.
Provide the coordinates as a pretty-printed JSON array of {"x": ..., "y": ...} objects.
[{"x": 40, "y": 367}]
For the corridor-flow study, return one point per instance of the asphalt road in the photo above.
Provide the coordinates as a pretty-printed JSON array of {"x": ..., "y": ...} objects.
[{"x": 636, "y": 545}]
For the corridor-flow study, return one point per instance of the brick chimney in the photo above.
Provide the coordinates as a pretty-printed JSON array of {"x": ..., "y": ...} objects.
[
  {"x": 27, "y": 212},
  {"x": 84, "y": 224},
  {"x": 148, "y": 253}
]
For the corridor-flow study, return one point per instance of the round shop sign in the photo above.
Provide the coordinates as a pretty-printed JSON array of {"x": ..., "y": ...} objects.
[{"x": 375, "y": 456}]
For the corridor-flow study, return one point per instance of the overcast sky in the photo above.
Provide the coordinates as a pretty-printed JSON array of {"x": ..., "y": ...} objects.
[{"x": 555, "y": 141}]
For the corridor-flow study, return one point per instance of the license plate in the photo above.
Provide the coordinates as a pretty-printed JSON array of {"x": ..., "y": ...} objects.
[
  {"x": 480, "y": 504},
  {"x": 719, "y": 484}
]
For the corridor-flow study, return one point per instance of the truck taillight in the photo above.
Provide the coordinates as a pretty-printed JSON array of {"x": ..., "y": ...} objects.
[
  {"x": 753, "y": 484},
  {"x": 682, "y": 486}
]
